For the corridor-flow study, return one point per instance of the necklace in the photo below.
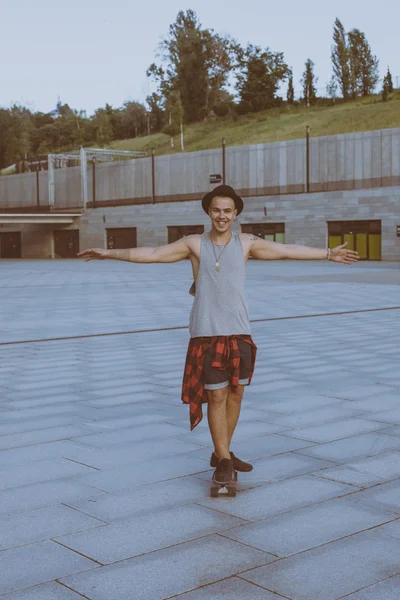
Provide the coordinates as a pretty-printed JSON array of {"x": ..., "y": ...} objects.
[{"x": 217, "y": 264}]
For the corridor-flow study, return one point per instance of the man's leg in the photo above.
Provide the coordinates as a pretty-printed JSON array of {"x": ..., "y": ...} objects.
[
  {"x": 233, "y": 405},
  {"x": 218, "y": 421}
]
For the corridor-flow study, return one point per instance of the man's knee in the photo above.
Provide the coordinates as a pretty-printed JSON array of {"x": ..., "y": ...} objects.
[
  {"x": 218, "y": 396},
  {"x": 236, "y": 396}
]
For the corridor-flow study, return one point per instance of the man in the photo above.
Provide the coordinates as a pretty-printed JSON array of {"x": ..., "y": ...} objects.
[{"x": 221, "y": 353}]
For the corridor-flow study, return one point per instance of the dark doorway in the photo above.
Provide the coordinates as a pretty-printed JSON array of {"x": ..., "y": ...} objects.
[
  {"x": 122, "y": 237},
  {"x": 66, "y": 243},
  {"x": 362, "y": 236},
  {"x": 176, "y": 232},
  {"x": 10, "y": 244}
]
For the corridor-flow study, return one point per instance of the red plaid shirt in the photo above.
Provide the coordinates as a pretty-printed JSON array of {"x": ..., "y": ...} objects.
[{"x": 226, "y": 356}]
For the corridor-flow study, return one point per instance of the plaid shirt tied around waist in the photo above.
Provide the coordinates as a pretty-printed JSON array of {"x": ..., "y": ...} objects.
[{"x": 226, "y": 356}]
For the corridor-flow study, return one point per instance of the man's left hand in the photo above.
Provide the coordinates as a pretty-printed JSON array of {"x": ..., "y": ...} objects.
[{"x": 342, "y": 255}]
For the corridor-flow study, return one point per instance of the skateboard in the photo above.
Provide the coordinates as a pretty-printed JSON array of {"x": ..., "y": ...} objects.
[{"x": 224, "y": 489}]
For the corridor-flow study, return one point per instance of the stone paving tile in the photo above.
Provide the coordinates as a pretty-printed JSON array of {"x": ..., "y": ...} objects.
[
  {"x": 40, "y": 436},
  {"x": 129, "y": 411},
  {"x": 385, "y": 590},
  {"x": 42, "y": 563},
  {"x": 260, "y": 447},
  {"x": 106, "y": 425},
  {"x": 393, "y": 430},
  {"x": 42, "y": 524},
  {"x": 14, "y": 413},
  {"x": 276, "y": 498},
  {"x": 350, "y": 476},
  {"x": 276, "y": 468},
  {"x": 245, "y": 431},
  {"x": 128, "y": 476},
  {"x": 374, "y": 405},
  {"x": 301, "y": 401},
  {"x": 118, "y": 400},
  {"x": 366, "y": 472},
  {"x": 134, "y": 434},
  {"x": 127, "y": 454},
  {"x": 178, "y": 569},
  {"x": 37, "y": 472},
  {"x": 392, "y": 529},
  {"x": 40, "y": 452},
  {"x": 45, "y": 422},
  {"x": 317, "y": 416},
  {"x": 233, "y": 588},
  {"x": 42, "y": 494},
  {"x": 143, "y": 499},
  {"x": 333, "y": 570},
  {"x": 309, "y": 527},
  {"x": 335, "y": 430},
  {"x": 146, "y": 533},
  {"x": 389, "y": 416},
  {"x": 385, "y": 496},
  {"x": 363, "y": 391},
  {"x": 358, "y": 446},
  {"x": 46, "y": 591},
  {"x": 42, "y": 401}
]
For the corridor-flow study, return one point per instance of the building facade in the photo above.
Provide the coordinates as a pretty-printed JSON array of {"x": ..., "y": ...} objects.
[
  {"x": 369, "y": 220},
  {"x": 328, "y": 190}
]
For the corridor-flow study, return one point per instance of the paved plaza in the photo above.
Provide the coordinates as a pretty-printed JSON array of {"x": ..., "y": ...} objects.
[{"x": 105, "y": 492}]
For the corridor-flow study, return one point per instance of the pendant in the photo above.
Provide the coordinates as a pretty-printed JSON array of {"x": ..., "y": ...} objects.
[{"x": 217, "y": 265}]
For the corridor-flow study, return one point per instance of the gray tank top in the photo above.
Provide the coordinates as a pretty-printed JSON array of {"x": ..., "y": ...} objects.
[{"x": 220, "y": 306}]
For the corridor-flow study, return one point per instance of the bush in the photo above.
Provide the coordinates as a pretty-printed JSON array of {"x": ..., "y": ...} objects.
[
  {"x": 171, "y": 130},
  {"x": 221, "y": 110},
  {"x": 244, "y": 107}
]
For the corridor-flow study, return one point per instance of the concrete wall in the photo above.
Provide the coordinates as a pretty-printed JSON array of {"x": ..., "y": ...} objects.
[
  {"x": 37, "y": 241},
  {"x": 350, "y": 161},
  {"x": 304, "y": 215},
  {"x": 17, "y": 191}
]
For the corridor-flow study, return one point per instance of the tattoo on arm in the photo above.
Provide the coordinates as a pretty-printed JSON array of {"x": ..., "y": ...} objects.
[{"x": 253, "y": 237}]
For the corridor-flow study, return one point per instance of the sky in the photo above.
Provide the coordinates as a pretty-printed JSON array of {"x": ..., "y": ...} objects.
[{"x": 93, "y": 52}]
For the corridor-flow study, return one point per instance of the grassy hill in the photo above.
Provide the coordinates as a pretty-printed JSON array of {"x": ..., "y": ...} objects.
[{"x": 286, "y": 123}]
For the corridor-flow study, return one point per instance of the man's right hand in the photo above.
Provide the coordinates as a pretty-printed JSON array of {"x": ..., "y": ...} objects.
[{"x": 93, "y": 253}]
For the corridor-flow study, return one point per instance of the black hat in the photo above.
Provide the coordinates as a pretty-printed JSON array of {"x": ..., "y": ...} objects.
[{"x": 222, "y": 190}]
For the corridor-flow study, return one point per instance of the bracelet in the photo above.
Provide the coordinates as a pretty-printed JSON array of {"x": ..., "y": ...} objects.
[{"x": 328, "y": 254}]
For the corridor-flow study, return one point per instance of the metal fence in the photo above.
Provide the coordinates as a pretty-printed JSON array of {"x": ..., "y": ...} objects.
[{"x": 338, "y": 162}]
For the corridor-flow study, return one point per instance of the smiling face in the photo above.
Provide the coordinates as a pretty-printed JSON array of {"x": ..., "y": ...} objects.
[{"x": 222, "y": 212}]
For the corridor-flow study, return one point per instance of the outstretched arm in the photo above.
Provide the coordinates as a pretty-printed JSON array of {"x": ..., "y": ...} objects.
[
  {"x": 163, "y": 254},
  {"x": 266, "y": 250}
]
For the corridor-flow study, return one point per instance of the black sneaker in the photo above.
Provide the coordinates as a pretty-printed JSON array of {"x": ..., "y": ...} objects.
[
  {"x": 224, "y": 473},
  {"x": 238, "y": 465}
]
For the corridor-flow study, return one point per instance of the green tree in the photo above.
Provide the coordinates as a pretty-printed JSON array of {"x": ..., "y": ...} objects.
[
  {"x": 175, "y": 115},
  {"x": 308, "y": 81},
  {"x": 331, "y": 89},
  {"x": 387, "y": 88},
  {"x": 340, "y": 58},
  {"x": 6, "y": 157},
  {"x": 220, "y": 55},
  {"x": 258, "y": 77},
  {"x": 195, "y": 64},
  {"x": 103, "y": 126},
  {"x": 389, "y": 80},
  {"x": 364, "y": 66},
  {"x": 290, "y": 90},
  {"x": 134, "y": 119},
  {"x": 116, "y": 120},
  {"x": 15, "y": 135},
  {"x": 385, "y": 92},
  {"x": 156, "y": 112}
]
